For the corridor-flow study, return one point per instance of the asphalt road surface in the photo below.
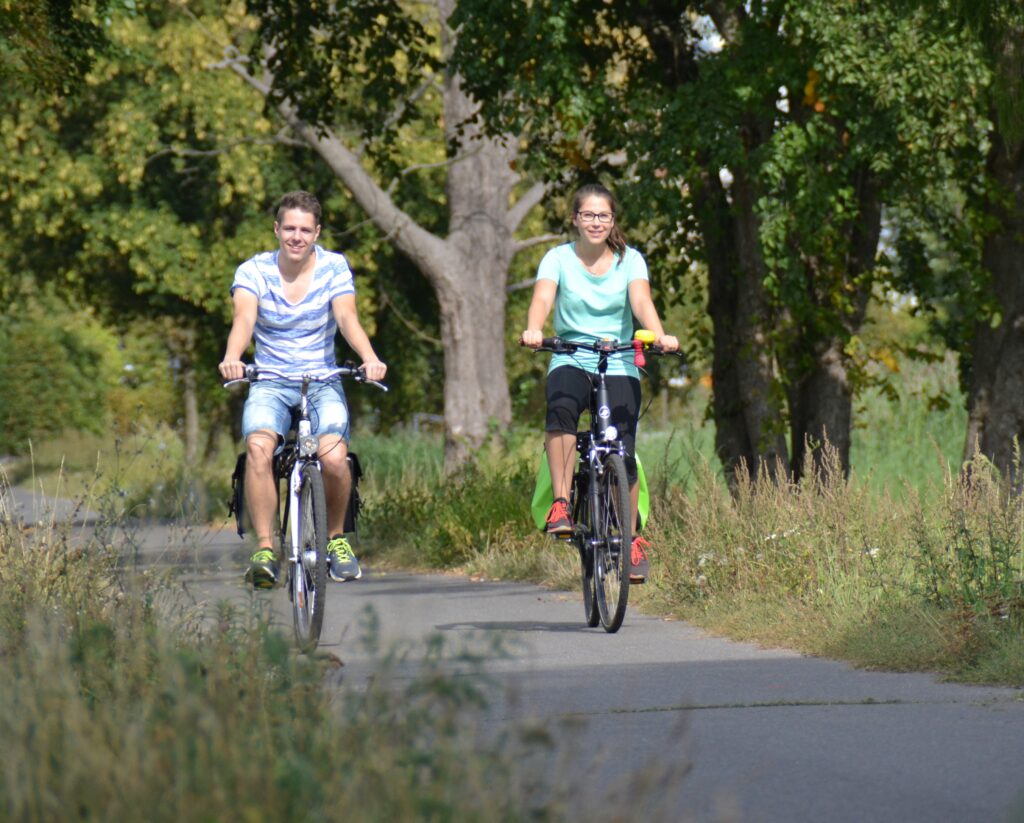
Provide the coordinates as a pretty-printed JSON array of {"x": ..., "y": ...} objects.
[{"x": 724, "y": 730}]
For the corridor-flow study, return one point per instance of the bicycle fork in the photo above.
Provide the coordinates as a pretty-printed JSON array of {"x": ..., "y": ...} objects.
[
  {"x": 308, "y": 446},
  {"x": 607, "y": 436}
]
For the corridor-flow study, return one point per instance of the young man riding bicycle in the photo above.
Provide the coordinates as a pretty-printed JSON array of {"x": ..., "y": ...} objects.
[{"x": 292, "y": 301}]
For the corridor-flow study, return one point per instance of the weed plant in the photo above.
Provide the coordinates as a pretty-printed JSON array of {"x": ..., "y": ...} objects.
[
  {"x": 121, "y": 705},
  {"x": 448, "y": 523},
  {"x": 929, "y": 580}
]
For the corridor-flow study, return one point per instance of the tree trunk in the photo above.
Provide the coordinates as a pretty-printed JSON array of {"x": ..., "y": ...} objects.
[
  {"x": 182, "y": 345},
  {"x": 995, "y": 399},
  {"x": 821, "y": 402},
  {"x": 468, "y": 269},
  {"x": 746, "y": 406}
]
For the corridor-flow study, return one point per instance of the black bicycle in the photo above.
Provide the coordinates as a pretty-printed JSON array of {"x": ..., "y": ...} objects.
[
  {"x": 302, "y": 516},
  {"x": 599, "y": 498}
]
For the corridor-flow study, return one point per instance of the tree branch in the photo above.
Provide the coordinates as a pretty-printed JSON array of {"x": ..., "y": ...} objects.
[
  {"x": 530, "y": 242},
  {"x": 422, "y": 335},
  {"x": 522, "y": 284},
  {"x": 185, "y": 151},
  {"x": 533, "y": 195}
]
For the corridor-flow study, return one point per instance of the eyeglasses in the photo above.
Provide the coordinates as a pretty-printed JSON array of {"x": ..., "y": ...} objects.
[{"x": 599, "y": 216}]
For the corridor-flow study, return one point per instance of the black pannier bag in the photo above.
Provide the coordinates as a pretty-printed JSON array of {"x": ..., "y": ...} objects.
[
  {"x": 354, "y": 501},
  {"x": 236, "y": 503}
]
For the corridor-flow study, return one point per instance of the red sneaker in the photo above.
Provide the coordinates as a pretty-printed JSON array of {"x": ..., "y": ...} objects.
[
  {"x": 559, "y": 522},
  {"x": 638, "y": 558}
]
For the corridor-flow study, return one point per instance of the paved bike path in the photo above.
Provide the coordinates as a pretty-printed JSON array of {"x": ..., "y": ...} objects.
[
  {"x": 715, "y": 729},
  {"x": 763, "y": 734}
]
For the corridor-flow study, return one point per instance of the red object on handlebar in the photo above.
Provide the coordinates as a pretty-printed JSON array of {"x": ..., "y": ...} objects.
[{"x": 638, "y": 354}]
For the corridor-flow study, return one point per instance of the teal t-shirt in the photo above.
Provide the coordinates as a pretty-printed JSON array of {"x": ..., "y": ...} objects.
[{"x": 589, "y": 306}]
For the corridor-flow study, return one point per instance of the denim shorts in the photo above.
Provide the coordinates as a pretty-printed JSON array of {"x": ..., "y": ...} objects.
[{"x": 270, "y": 403}]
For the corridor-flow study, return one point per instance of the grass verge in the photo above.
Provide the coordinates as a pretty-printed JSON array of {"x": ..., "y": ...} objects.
[
  {"x": 122, "y": 702},
  {"x": 929, "y": 578}
]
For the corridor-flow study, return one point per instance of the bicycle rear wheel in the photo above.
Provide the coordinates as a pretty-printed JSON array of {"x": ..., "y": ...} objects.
[
  {"x": 581, "y": 539},
  {"x": 309, "y": 575},
  {"x": 613, "y": 534}
]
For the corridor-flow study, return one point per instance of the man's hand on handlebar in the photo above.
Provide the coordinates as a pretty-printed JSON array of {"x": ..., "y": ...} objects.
[
  {"x": 532, "y": 338},
  {"x": 374, "y": 369},
  {"x": 232, "y": 370}
]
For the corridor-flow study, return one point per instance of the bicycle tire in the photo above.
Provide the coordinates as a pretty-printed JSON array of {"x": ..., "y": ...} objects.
[
  {"x": 309, "y": 575},
  {"x": 581, "y": 539},
  {"x": 613, "y": 536}
]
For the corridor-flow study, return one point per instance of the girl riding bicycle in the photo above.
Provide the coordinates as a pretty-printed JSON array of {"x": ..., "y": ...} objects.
[{"x": 596, "y": 285}]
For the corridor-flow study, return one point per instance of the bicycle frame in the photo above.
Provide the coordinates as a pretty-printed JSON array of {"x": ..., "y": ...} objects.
[
  {"x": 599, "y": 496},
  {"x": 602, "y": 439},
  {"x": 305, "y": 450},
  {"x": 302, "y": 508}
]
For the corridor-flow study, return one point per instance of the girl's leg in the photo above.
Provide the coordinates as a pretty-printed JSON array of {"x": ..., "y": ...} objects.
[
  {"x": 624, "y": 395},
  {"x": 561, "y": 450},
  {"x": 568, "y": 394}
]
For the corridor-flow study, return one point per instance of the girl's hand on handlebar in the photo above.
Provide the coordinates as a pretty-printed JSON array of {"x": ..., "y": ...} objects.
[
  {"x": 232, "y": 369},
  {"x": 668, "y": 343},
  {"x": 374, "y": 369},
  {"x": 532, "y": 338}
]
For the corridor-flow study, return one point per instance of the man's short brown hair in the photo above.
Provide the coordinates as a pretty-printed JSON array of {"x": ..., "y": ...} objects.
[{"x": 301, "y": 200}]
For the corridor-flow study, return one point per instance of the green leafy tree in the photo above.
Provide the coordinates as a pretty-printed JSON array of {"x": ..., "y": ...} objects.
[
  {"x": 995, "y": 346},
  {"x": 139, "y": 194},
  {"x": 49, "y": 44},
  {"x": 774, "y": 135},
  {"x": 360, "y": 82},
  {"x": 59, "y": 367}
]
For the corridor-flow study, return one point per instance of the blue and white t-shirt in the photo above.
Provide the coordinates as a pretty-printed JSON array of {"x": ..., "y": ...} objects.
[{"x": 297, "y": 337}]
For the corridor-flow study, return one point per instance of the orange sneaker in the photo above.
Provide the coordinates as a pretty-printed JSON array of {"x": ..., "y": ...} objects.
[
  {"x": 638, "y": 559},
  {"x": 559, "y": 522}
]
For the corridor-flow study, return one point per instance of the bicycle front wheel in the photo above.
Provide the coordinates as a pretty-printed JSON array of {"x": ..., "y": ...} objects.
[
  {"x": 612, "y": 539},
  {"x": 581, "y": 539},
  {"x": 309, "y": 572}
]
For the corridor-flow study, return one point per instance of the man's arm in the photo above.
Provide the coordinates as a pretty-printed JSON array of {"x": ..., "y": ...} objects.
[
  {"x": 246, "y": 304},
  {"x": 345, "y": 313}
]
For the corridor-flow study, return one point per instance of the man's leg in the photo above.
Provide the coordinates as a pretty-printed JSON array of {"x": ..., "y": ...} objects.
[
  {"x": 341, "y": 560},
  {"x": 337, "y": 480},
  {"x": 261, "y": 500}
]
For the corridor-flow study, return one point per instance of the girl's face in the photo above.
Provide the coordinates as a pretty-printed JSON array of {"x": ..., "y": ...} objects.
[{"x": 595, "y": 219}]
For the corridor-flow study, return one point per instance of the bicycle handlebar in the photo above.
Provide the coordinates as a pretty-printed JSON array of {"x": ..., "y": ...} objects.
[
  {"x": 253, "y": 373},
  {"x": 556, "y": 345}
]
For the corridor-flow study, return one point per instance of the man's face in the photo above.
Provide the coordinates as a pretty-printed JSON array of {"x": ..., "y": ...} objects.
[{"x": 297, "y": 230}]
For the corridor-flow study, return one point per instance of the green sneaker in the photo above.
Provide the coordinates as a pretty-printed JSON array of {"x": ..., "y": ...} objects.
[
  {"x": 262, "y": 570},
  {"x": 341, "y": 561}
]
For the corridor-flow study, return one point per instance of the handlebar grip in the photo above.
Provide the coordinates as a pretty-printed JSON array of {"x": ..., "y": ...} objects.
[
  {"x": 552, "y": 343},
  {"x": 638, "y": 353}
]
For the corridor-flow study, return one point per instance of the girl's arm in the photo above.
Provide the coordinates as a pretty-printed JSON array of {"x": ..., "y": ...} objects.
[
  {"x": 544, "y": 292},
  {"x": 643, "y": 307}
]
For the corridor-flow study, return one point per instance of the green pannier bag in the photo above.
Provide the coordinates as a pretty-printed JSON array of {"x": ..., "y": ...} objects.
[{"x": 544, "y": 496}]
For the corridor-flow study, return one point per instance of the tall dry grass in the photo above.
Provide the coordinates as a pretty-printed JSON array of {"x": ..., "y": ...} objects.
[
  {"x": 929, "y": 578},
  {"x": 123, "y": 703}
]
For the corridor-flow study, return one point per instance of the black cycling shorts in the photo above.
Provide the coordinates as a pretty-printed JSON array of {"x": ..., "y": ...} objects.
[{"x": 568, "y": 396}]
